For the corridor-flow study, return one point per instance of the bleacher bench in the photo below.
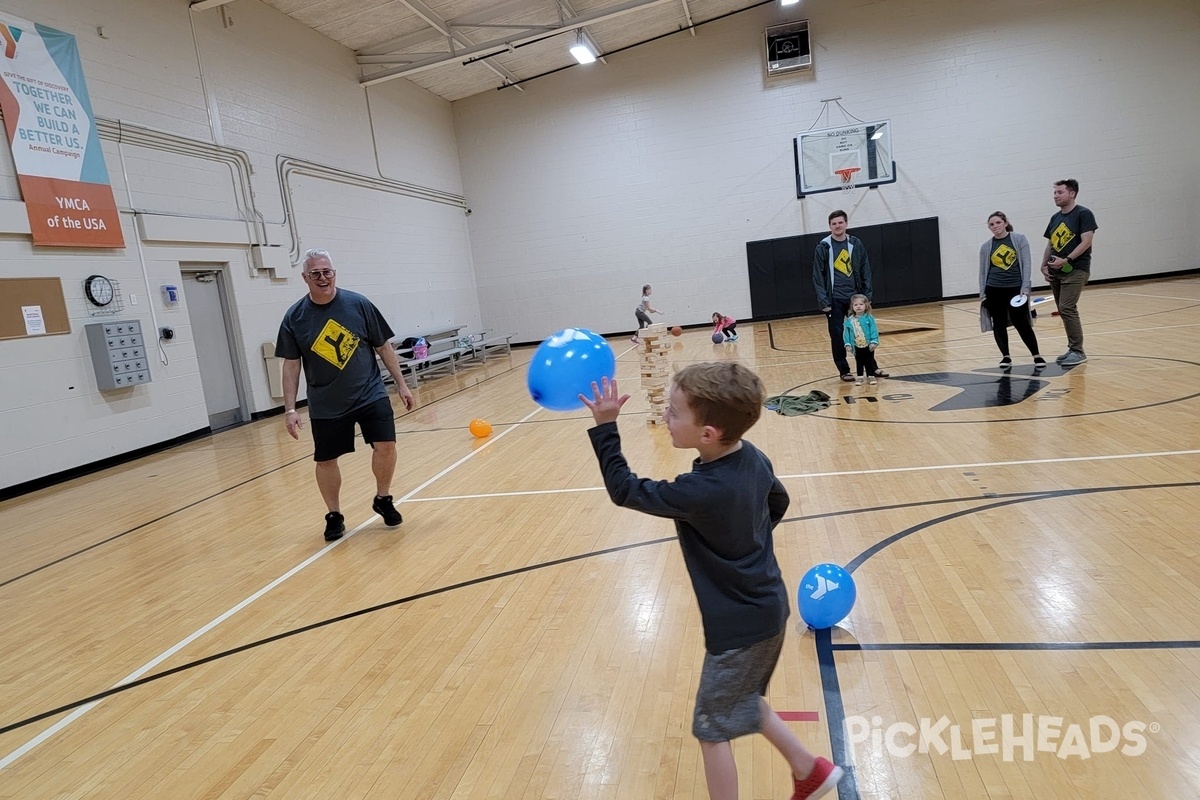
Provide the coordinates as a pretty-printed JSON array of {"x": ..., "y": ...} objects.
[
  {"x": 482, "y": 344},
  {"x": 445, "y": 349}
]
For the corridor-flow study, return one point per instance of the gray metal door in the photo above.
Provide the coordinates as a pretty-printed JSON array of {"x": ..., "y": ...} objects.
[{"x": 214, "y": 352}]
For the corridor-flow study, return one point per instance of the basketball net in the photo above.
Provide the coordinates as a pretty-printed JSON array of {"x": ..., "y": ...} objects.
[{"x": 847, "y": 176}]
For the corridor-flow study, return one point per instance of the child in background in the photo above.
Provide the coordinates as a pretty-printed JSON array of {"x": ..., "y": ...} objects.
[
  {"x": 725, "y": 325},
  {"x": 643, "y": 312},
  {"x": 724, "y": 510},
  {"x": 861, "y": 337}
]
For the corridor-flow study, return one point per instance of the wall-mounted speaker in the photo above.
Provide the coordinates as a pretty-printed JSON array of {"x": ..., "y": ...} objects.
[{"x": 787, "y": 48}]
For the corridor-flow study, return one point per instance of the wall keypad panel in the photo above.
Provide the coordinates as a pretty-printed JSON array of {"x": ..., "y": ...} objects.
[{"x": 118, "y": 354}]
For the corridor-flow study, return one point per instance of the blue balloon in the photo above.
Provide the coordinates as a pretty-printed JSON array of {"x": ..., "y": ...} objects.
[
  {"x": 564, "y": 366},
  {"x": 825, "y": 596}
]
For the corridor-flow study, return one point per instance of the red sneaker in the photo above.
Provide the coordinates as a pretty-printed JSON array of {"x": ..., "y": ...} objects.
[{"x": 824, "y": 776}]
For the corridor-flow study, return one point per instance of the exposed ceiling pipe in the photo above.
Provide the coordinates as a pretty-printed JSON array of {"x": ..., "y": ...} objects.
[
  {"x": 237, "y": 160},
  {"x": 286, "y": 167}
]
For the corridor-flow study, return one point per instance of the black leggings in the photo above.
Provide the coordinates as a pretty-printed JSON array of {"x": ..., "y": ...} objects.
[
  {"x": 864, "y": 361},
  {"x": 643, "y": 318},
  {"x": 996, "y": 301},
  {"x": 730, "y": 329}
]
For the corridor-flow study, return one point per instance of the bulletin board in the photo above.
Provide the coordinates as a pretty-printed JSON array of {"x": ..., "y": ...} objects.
[{"x": 46, "y": 294}]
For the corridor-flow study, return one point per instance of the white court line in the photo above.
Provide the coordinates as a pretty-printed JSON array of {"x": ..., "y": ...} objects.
[
  {"x": 1143, "y": 330},
  {"x": 151, "y": 664},
  {"x": 528, "y": 493},
  {"x": 807, "y": 475},
  {"x": 982, "y": 464},
  {"x": 1159, "y": 296}
]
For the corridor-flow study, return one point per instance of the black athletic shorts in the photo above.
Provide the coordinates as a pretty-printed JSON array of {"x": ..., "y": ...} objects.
[{"x": 335, "y": 437}]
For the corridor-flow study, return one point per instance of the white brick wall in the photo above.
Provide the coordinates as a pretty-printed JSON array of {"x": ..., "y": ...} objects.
[
  {"x": 659, "y": 166},
  {"x": 655, "y": 168},
  {"x": 277, "y": 88}
]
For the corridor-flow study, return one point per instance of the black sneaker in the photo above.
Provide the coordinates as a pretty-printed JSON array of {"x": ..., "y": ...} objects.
[
  {"x": 335, "y": 526},
  {"x": 384, "y": 508}
]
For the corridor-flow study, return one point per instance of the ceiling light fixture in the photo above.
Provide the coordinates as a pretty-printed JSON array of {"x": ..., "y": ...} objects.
[
  {"x": 788, "y": 2},
  {"x": 583, "y": 54}
]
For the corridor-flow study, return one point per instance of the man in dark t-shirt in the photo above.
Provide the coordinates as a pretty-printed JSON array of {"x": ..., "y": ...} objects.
[
  {"x": 841, "y": 270},
  {"x": 1067, "y": 263},
  {"x": 325, "y": 332}
]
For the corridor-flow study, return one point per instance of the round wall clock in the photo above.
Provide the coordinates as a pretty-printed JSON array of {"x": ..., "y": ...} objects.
[{"x": 99, "y": 290}]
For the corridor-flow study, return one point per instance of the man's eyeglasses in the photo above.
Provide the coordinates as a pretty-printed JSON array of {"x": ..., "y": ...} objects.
[{"x": 320, "y": 273}]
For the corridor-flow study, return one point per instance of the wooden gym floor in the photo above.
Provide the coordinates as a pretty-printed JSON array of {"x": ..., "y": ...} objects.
[{"x": 1025, "y": 550}]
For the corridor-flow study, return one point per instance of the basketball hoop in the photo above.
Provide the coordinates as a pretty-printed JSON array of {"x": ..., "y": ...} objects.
[{"x": 847, "y": 176}]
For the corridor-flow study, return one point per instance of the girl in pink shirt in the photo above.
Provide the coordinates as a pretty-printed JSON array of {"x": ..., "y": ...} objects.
[{"x": 725, "y": 325}]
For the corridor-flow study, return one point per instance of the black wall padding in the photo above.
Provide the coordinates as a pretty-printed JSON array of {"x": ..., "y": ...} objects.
[{"x": 906, "y": 267}]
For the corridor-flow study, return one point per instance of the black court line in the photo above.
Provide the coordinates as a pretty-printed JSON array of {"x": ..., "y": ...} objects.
[
  {"x": 835, "y": 711},
  {"x": 390, "y": 604},
  {"x": 874, "y": 549},
  {"x": 306, "y": 457},
  {"x": 833, "y": 703},
  {"x": 321, "y": 624},
  {"x": 145, "y": 524},
  {"x": 855, "y": 420}
]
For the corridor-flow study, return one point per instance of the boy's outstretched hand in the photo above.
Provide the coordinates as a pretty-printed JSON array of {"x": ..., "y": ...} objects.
[{"x": 606, "y": 402}]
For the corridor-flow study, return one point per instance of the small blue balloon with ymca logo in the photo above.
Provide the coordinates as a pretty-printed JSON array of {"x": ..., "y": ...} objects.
[{"x": 825, "y": 596}]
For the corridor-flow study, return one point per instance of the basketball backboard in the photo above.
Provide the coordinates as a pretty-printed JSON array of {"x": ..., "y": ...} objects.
[{"x": 820, "y": 154}]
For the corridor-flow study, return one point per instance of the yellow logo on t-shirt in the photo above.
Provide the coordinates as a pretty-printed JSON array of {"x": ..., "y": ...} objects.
[
  {"x": 842, "y": 262},
  {"x": 860, "y": 336},
  {"x": 1061, "y": 237},
  {"x": 1004, "y": 257},
  {"x": 335, "y": 344}
]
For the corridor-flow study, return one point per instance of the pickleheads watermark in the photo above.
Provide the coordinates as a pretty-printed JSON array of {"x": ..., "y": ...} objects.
[{"x": 1009, "y": 736}]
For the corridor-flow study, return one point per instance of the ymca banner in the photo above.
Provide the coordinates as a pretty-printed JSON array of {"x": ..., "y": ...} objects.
[{"x": 48, "y": 116}]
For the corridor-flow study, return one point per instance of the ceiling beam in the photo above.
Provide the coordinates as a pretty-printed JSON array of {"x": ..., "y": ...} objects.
[
  {"x": 204, "y": 5},
  {"x": 497, "y": 46},
  {"x": 565, "y": 5},
  {"x": 498, "y": 10},
  {"x": 435, "y": 21},
  {"x": 421, "y": 37},
  {"x": 394, "y": 58},
  {"x": 687, "y": 14},
  {"x": 431, "y": 17}
]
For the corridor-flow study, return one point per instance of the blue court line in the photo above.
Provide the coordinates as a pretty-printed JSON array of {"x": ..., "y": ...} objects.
[
  {"x": 835, "y": 714},
  {"x": 835, "y": 710}
]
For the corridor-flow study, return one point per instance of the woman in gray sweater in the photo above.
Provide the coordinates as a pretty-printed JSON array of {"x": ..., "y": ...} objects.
[{"x": 1004, "y": 267}]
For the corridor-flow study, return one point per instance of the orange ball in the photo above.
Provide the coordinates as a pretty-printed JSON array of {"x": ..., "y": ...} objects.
[
  {"x": 480, "y": 428},
  {"x": 677, "y": 331}
]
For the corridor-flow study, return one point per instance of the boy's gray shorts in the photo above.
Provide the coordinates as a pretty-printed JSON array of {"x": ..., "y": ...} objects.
[{"x": 731, "y": 683}]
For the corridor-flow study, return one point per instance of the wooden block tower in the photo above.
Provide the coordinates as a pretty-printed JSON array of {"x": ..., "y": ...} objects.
[{"x": 655, "y": 369}]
